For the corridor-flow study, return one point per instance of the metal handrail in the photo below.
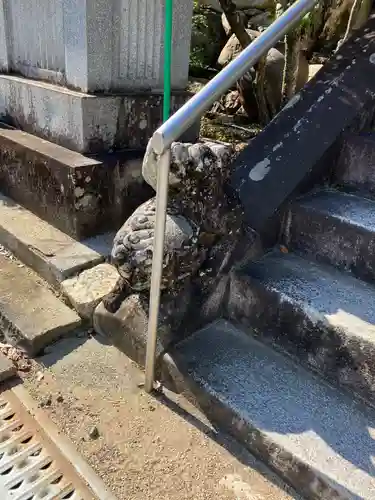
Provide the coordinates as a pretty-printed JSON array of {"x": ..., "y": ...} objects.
[{"x": 175, "y": 126}]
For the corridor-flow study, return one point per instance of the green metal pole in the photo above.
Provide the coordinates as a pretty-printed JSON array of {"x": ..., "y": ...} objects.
[{"x": 167, "y": 58}]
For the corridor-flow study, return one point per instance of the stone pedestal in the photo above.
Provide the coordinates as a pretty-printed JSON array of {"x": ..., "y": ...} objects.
[
  {"x": 98, "y": 66},
  {"x": 83, "y": 122}
]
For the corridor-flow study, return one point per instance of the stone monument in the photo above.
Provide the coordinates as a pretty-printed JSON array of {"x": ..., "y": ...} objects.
[{"x": 88, "y": 74}]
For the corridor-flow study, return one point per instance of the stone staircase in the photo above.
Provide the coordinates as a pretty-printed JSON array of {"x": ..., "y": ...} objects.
[
  {"x": 290, "y": 370},
  {"x": 36, "y": 259},
  {"x": 59, "y": 210}
]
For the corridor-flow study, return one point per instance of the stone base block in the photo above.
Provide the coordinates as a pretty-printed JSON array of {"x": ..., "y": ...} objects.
[
  {"x": 82, "y": 196},
  {"x": 82, "y": 122},
  {"x": 127, "y": 328}
]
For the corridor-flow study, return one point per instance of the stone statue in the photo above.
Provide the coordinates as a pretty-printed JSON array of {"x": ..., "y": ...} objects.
[{"x": 199, "y": 213}]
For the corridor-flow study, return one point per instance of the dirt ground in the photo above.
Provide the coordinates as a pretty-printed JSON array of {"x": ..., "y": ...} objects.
[{"x": 143, "y": 448}]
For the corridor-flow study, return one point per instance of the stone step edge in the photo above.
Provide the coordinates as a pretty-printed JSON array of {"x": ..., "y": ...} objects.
[
  {"x": 54, "y": 255},
  {"x": 293, "y": 469},
  {"x": 31, "y": 315},
  {"x": 310, "y": 204},
  {"x": 356, "y": 383},
  {"x": 334, "y": 228},
  {"x": 81, "y": 195}
]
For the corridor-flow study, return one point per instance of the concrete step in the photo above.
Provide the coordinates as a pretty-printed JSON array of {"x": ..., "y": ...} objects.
[
  {"x": 317, "y": 438},
  {"x": 323, "y": 317},
  {"x": 82, "y": 196},
  {"x": 336, "y": 228},
  {"x": 51, "y": 253},
  {"x": 355, "y": 169},
  {"x": 31, "y": 316}
]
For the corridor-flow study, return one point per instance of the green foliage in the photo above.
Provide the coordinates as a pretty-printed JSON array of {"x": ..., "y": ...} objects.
[
  {"x": 311, "y": 22},
  {"x": 207, "y": 37},
  {"x": 198, "y": 56}
]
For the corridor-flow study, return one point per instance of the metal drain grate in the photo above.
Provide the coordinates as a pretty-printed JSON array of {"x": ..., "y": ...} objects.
[{"x": 30, "y": 467}]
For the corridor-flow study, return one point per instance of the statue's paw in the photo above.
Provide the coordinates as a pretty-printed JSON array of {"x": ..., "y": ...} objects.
[
  {"x": 136, "y": 234},
  {"x": 133, "y": 245}
]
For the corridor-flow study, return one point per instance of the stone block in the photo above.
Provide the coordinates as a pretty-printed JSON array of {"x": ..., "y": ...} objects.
[
  {"x": 95, "y": 45},
  {"x": 84, "y": 122},
  {"x": 80, "y": 195},
  {"x": 127, "y": 328},
  {"x": 31, "y": 316},
  {"x": 4, "y": 60},
  {"x": 86, "y": 290},
  {"x": 119, "y": 45}
]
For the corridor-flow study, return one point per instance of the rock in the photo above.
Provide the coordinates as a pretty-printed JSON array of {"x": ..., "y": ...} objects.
[
  {"x": 207, "y": 37},
  {"x": 46, "y": 401},
  {"x": 94, "y": 432},
  {"x": 87, "y": 289},
  {"x": 17, "y": 357},
  {"x": 274, "y": 79},
  {"x": 241, "y": 4},
  {"x": 39, "y": 376},
  {"x": 195, "y": 85},
  {"x": 336, "y": 20},
  {"x": 274, "y": 74},
  {"x": 251, "y": 19},
  {"x": 60, "y": 398},
  {"x": 230, "y": 103},
  {"x": 260, "y": 20},
  {"x": 232, "y": 48}
]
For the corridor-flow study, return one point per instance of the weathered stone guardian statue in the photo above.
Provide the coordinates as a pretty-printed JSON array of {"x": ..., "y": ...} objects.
[{"x": 199, "y": 214}]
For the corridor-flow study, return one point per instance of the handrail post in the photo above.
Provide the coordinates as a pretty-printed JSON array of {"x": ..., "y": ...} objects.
[{"x": 157, "y": 267}]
